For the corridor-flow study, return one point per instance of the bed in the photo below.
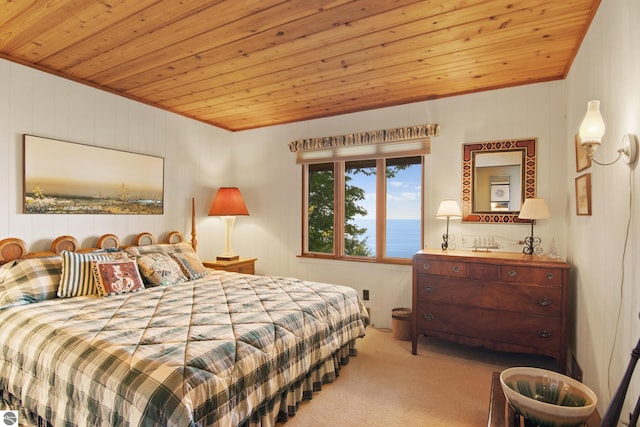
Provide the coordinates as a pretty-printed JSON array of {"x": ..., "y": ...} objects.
[{"x": 161, "y": 340}]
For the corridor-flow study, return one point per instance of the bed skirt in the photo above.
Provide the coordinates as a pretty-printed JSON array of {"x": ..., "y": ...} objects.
[
  {"x": 285, "y": 404},
  {"x": 277, "y": 409}
]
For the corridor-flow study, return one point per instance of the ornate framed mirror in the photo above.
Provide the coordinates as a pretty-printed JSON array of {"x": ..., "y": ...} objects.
[{"x": 497, "y": 176}]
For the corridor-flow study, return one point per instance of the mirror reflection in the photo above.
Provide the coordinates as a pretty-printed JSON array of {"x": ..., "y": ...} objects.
[
  {"x": 497, "y": 181},
  {"x": 497, "y": 177}
]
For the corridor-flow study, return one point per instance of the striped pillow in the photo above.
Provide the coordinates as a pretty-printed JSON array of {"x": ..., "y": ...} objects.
[{"x": 77, "y": 276}]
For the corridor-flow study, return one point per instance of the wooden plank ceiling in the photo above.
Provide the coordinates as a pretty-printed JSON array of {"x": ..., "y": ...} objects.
[{"x": 243, "y": 64}]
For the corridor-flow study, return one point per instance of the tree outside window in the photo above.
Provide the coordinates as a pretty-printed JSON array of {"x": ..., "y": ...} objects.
[{"x": 379, "y": 208}]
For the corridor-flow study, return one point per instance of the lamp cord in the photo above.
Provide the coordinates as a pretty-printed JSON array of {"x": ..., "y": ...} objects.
[{"x": 624, "y": 254}]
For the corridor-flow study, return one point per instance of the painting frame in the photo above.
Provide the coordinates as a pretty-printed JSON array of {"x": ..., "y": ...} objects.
[
  {"x": 62, "y": 177},
  {"x": 583, "y": 194},
  {"x": 582, "y": 159}
]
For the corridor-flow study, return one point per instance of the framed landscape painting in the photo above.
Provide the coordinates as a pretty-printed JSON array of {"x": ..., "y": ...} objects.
[
  {"x": 583, "y": 194},
  {"x": 69, "y": 178}
]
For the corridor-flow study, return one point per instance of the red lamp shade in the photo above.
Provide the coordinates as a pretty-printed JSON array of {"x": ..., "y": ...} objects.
[{"x": 228, "y": 202}]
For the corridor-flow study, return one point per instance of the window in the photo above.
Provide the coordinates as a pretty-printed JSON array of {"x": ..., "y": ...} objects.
[{"x": 364, "y": 209}]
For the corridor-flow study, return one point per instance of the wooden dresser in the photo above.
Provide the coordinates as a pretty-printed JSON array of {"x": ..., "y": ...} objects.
[{"x": 500, "y": 300}]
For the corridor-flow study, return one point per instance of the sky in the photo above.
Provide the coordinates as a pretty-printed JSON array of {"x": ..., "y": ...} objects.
[
  {"x": 62, "y": 167},
  {"x": 403, "y": 194}
]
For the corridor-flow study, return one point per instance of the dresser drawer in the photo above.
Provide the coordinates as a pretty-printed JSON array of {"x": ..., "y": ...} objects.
[
  {"x": 242, "y": 265},
  {"x": 481, "y": 271},
  {"x": 450, "y": 320},
  {"x": 441, "y": 268},
  {"x": 446, "y": 290},
  {"x": 247, "y": 268},
  {"x": 538, "y": 332},
  {"x": 543, "y": 276},
  {"x": 525, "y": 298}
]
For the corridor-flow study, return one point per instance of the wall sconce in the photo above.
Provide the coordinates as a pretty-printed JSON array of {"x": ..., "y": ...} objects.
[
  {"x": 448, "y": 209},
  {"x": 533, "y": 209},
  {"x": 592, "y": 131},
  {"x": 227, "y": 204}
]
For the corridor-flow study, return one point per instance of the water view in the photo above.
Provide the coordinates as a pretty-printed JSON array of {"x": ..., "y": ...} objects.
[{"x": 403, "y": 236}]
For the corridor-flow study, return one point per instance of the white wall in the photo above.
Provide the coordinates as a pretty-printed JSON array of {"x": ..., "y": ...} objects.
[
  {"x": 604, "y": 255},
  {"x": 271, "y": 182},
  {"x": 197, "y": 157},
  {"x": 200, "y": 158}
]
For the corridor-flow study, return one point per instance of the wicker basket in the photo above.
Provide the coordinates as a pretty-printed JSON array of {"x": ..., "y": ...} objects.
[{"x": 401, "y": 323}]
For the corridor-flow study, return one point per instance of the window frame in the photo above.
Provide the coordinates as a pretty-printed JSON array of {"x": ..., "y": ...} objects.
[{"x": 339, "y": 169}]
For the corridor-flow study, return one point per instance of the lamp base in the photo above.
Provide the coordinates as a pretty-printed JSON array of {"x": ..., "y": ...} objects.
[{"x": 227, "y": 258}]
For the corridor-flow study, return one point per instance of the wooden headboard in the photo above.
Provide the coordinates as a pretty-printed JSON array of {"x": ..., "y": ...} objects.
[{"x": 14, "y": 248}]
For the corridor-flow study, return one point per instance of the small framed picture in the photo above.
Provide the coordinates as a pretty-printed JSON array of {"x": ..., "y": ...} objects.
[
  {"x": 582, "y": 159},
  {"x": 583, "y": 194},
  {"x": 499, "y": 193}
]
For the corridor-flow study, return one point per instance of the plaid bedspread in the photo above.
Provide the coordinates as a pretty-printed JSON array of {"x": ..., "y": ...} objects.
[{"x": 205, "y": 352}]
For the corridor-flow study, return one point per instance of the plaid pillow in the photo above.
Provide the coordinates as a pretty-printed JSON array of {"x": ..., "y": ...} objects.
[
  {"x": 181, "y": 247},
  {"x": 116, "y": 277},
  {"x": 30, "y": 280},
  {"x": 159, "y": 269},
  {"x": 4, "y": 270},
  {"x": 77, "y": 277}
]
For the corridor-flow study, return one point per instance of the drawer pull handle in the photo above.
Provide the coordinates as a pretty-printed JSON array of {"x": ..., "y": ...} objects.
[
  {"x": 426, "y": 266},
  {"x": 549, "y": 276},
  {"x": 544, "y": 302},
  {"x": 456, "y": 269},
  {"x": 428, "y": 288},
  {"x": 512, "y": 273},
  {"x": 428, "y": 316},
  {"x": 544, "y": 334}
]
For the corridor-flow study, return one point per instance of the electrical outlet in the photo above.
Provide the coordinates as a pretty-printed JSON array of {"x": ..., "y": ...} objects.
[{"x": 365, "y": 294}]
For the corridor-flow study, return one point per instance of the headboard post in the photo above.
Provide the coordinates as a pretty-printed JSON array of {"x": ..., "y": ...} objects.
[{"x": 194, "y": 241}]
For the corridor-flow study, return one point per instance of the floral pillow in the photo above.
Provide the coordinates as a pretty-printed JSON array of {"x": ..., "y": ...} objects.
[
  {"x": 30, "y": 280},
  {"x": 116, "y": 277},
  {"x": 159, "y": 269}
]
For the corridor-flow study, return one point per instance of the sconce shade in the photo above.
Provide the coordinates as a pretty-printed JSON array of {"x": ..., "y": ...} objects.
[
  {"x": 534, "y": 208},
  {"x": 228, "y": 202},
  {"x": 449, "y": 209},
  {"x": 592, "y": 127}
]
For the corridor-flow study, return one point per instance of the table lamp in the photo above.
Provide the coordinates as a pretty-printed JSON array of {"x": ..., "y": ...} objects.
[
  {"x": 228, "y": 204},
  {"x": 448, "y": 209},
  {"x": 533, "y": 209}
]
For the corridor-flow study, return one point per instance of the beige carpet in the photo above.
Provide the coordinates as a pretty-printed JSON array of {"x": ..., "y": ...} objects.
[{"x": 445, "y": 384}]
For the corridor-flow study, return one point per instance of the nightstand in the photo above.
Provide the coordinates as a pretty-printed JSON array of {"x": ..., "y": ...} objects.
[{"x": 242, "y": 265}]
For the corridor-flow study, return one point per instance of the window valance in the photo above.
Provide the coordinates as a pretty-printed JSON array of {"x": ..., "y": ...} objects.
[{"x": 403, "y": 141}]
